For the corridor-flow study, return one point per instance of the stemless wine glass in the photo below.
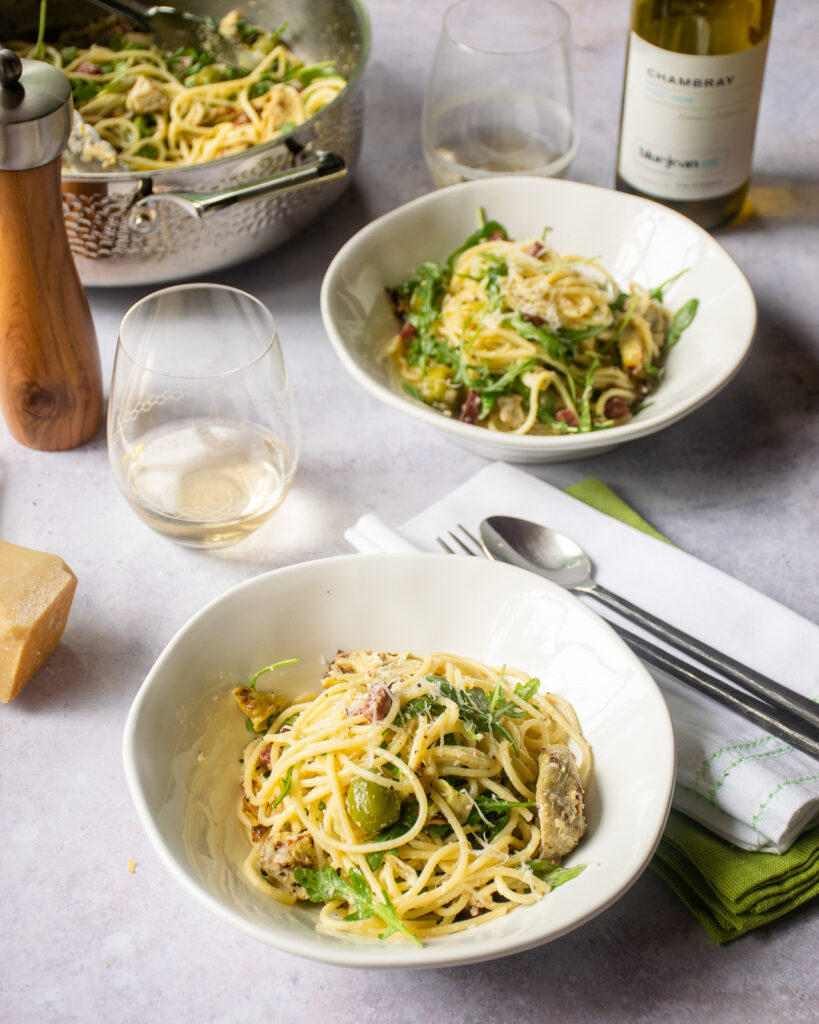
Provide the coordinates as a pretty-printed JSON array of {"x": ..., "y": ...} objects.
[
  {"x": 500, "y": 95},
  {"x": 202, "y": 433}
]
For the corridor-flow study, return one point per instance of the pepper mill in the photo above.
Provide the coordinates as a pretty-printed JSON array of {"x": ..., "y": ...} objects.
[{"x": 50, "y": 381}]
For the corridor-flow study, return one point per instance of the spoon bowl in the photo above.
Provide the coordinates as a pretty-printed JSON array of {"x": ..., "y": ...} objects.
[
  {"x": 528, "y": 544},
  {"x": 559, "y": 559}
]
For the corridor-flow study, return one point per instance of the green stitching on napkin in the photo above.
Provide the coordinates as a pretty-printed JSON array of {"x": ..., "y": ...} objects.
[
  {"x": 729, "y": 748},
  {"x": 742, "y": 760},
  {"x": 782, "y": 785},
  {"x": 730, "y": 891}
]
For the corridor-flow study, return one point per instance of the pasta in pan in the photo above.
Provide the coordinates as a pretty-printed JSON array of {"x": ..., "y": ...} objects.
[
  {"x": 162, "y": 110},
  {"x": 414, "y": 795},
  {"x": 512, "y": 336}
]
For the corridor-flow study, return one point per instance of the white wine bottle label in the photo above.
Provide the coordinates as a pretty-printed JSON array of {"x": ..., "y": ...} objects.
[{"x": 688, "y": 121}]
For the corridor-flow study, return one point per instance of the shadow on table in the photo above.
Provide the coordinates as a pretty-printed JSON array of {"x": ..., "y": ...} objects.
[
  {"x": 774, "y": 198},
  {"x": 78, "y": 674},
  {"x": 758, "y": 425},
  {"x": 646, "y": 958}
]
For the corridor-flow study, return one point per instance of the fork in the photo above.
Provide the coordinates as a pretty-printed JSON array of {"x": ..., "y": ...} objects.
[{"x": 778, "y": 723}]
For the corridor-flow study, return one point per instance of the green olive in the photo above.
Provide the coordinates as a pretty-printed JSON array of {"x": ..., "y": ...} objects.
[
  {"x": 436, "y": 387},
  {"x": 372, "y": 807}
]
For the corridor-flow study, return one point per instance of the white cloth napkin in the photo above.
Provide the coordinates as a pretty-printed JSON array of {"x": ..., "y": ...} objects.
[{"x": 748, "y": 787}]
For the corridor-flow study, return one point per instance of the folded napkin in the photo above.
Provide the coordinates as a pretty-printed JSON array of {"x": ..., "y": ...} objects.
[
  {"x": 750, "y": 788},
  {"x": 731, "y": 891}
]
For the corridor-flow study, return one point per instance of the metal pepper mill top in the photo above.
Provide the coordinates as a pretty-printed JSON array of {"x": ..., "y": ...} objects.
[
  {"x": 50, "y": 383},
  {"x": 35, "y": 116}
]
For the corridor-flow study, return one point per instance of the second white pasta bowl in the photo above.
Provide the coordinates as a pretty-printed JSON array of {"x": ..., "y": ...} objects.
[
  {"x": 184, "y": 736},
  {"x": 638, "y": 241}
]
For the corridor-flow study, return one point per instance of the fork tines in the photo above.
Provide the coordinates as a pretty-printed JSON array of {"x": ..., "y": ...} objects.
[{"x": 477, "y": 546}]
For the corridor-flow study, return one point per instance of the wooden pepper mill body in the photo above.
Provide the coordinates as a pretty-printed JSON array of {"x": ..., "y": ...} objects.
[{"x": 50, "y": 380}]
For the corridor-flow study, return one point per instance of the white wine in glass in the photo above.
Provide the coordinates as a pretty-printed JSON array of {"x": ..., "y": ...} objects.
[
  {"x": 202, "y": 433},
  {"x": 500, "y": 97}
]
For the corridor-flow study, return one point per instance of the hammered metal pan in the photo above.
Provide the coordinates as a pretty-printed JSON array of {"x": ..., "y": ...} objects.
[{"x": 130, "y": 228}]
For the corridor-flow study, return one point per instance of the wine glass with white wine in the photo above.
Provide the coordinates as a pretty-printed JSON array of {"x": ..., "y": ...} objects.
[
  {"x": 202, "y": 433},
  {"x": 500, "y": 95}
]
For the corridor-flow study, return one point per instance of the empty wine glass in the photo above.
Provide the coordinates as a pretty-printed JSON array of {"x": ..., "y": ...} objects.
[
  {"x": 500, "y": 95},
  {"x": 202, "y": 433}
]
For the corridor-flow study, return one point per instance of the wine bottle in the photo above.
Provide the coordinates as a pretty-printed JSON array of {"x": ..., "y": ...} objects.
[{"x": 690, "y": 100}]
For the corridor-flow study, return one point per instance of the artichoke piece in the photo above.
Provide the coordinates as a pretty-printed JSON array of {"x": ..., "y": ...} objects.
[
  {"x": 259, "y": 707},
  {"x": 459, "y": 802},
  {"x": 282, "y": 853},
  {"x": 559, "y": 798}
]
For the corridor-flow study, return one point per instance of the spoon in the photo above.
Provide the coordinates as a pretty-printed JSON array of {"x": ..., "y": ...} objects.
[
  {"x": 558, "y": 558},
  {"x": 173, "y": 29}
]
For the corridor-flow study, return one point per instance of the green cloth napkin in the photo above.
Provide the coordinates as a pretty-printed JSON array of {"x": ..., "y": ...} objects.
[{"x": 730, "y": 891}]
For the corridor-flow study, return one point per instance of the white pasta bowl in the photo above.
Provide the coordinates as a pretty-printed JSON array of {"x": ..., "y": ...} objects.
[
  {"x": 184, "y": 736},
  {"x": 639, "y": 241}
]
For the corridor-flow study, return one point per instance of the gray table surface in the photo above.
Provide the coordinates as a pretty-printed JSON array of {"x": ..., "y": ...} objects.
[{"x": 735, "y": 484}]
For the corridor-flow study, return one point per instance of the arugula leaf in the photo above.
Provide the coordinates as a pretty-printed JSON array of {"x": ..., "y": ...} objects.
[
  {"x": 83, "y": 90},
  {"x": 503, "y": 382},
  {"x": 624, "y": 322},
  {"x": 305, "y": 75},
  {"x": 487, "y": 825},
  {"x": 527, "y": 690},
  {"x": 259, "y": 88},
  {"x": 657, "y": 293},
  {"x": 480, "y": 714},
  {"x": 682, "y": 319},
  {"x": 575, "y": 336},
  {"x": 619, "y": 304},
  {"x": 486, "y": 229},
  {"x": 422, "y": 297},
  {"x": 247, "y": 33},
  {"x": 270, "y": 668},
  {"x": 495, "y": 803},
  {"x": 585, "y": 398},
  {"x": 285, "y": 788},
  {"x": 496, "y": 269},
  {"x": 145, "y": 125},
  {"x": 39, "y": 49},
  {"x": 490, "y": 816},
  {"x": 557, "y": 347},
  {"x": 549, "y": 872},
  {"x": 419, "y": 706},
  {"x": 409, "y": 812},
  {"x": 327, "y": 884}
]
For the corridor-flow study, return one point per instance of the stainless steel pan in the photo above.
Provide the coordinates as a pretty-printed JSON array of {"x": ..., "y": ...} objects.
[{"x": 149, "y": 227}]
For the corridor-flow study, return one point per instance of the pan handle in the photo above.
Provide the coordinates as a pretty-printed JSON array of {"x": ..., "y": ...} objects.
[{"x": 326, "y": 166}]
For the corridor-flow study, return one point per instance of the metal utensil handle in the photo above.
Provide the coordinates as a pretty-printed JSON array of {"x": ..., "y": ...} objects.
[
  {"x": 326, "y": 167},
  {"x": 774, "y": 693},
  {"x": 126, "y": 8},
  {"x": 792, "y": 731}
]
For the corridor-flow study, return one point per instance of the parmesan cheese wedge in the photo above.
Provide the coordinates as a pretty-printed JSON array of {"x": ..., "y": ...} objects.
[{"x": 36, "y": 590}]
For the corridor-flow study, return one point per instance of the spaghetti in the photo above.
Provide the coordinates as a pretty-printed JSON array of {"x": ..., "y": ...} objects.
[
  {"x": 422, "y": 793},
  {"x": 514, "y": 337},
  {"x": 162, "y": 110}
]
